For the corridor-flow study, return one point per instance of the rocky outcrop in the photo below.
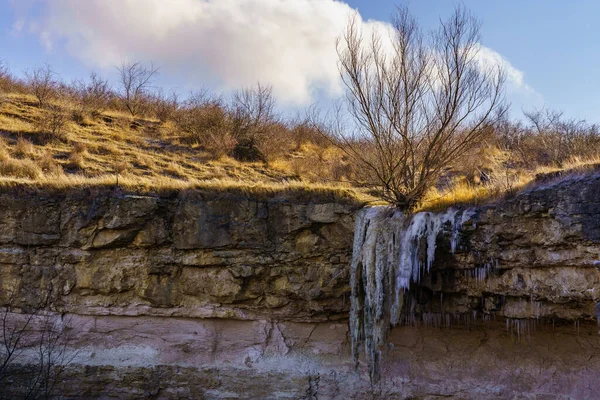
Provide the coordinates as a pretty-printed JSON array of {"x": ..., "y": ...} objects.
[
  {"x": 534, "y": 256},
  {"x": 202, "y": 295},
  {"x": 190, "y": 256}
]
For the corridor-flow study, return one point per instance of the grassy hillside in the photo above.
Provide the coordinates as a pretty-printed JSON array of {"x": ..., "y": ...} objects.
[
  {"x": 57, "y": 147},
  {"x": 141, "y": 153}
]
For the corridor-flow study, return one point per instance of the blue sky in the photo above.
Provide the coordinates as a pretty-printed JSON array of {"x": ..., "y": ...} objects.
[
  {"x": 231, "y": 43},
  {"x": 556, "y": 44}
]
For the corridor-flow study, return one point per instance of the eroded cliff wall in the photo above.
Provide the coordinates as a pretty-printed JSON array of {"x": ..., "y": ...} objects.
[
  {"x": 204, "y": 296},
  {"x": 188, "y": 256},
  {"x": 534, "y": 256}
]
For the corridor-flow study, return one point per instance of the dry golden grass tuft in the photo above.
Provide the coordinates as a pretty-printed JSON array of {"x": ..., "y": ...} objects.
[{"x": 24, "y": 148}]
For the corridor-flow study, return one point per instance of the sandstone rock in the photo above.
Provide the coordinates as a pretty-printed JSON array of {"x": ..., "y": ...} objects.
[
  {"x": 112, "y": 238},
  {"x": 218, "y": 283},
  {"x": 39, "y": 226},
  {"x": 195, "y": 227},
  {"x": 154, "y": 233},
  {"x": 306, "y": 241},
  {"x": 128, "y": 211},
  {"x": 325, "y": 213}
]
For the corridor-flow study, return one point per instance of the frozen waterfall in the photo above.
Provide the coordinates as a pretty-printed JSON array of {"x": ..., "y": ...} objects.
[{"x": 391, "y": 250}]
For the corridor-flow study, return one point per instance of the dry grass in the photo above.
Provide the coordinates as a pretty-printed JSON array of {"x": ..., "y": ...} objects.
[
  {"x": 165, "y": 185},
  {"x": 152, "y": 156},
  {"x": 461, "y": 192},
  {"x": 145, "y": 154}
]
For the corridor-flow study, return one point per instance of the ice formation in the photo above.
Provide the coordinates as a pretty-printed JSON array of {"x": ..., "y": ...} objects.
[{"x": 390, "y": 252}]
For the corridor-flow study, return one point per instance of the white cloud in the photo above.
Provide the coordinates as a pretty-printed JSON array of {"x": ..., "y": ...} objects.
[
  {"x": 514, "y": 77},
  {"x": 289, "y": 44}
]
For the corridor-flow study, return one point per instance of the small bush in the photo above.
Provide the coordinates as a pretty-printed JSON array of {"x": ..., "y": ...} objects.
[
  {"x": 3, "y": 81},
  {"x": 218, "y": 142},
  {"x": 165, "y": 106},
  {"x": 91, "y": 97},
  {"x": 42, "y": 84},
  {"x": 306, "y": 132},
  {"x": 246, "y": 150},
  {"x": 254, "y": 124},
  {"x": 548, "y": 139},
  {"x": 273, "y": 141},
  {"x": 8, "y": 83},
  {"x": 52, "y": 122},
  {"x": 199, "y": 116}
]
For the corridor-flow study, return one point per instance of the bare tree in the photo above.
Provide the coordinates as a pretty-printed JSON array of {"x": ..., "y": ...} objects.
[
  {"x": 42, "y": 83},
  {"x": 52, "y": 122},
  {"x": 3, "y": 71},
  {"x": 135, "y": 80},
  {"x": 11, "y": 348},
  {"x": 418, "y": 102}
]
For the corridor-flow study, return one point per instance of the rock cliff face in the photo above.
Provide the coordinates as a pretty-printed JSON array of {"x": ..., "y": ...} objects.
[
  {"x": 201, "y": 296},
  {"x": 191, "y": 256},
  {"x": 536, "y": 256}
]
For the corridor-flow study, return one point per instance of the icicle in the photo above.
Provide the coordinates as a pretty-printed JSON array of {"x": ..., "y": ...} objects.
[
  {"x": 371, "y": 272},
  {"x": 387, "y": 258}
]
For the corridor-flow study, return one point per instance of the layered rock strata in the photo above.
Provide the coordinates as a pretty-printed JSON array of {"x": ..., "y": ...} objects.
[{"x": 204, "y": 296}]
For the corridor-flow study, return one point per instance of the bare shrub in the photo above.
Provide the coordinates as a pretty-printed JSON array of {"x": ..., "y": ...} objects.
[
  {"x": 165, "y": 106},
  {"x": 274, "y": 141},
  {"x": 4, "y": 74},
  {"x": 417, "y": 107},
  {"x": 52, "y": 122},
  {"x": 42, "y": 83},
  {"x": 200, "y": 116},
  {"x": 9, "y": 84},
  {"x": 218, "y": 142},
  {"x": 92, "y": 97},
  {"x": 554, "y": 139},
  {"x": 547, "y": 138},
  {"x": 135, "y": 81},
  {"x": 4, "y": 81},
  {"x": 254, "y": 122},
  {"x": 305, "y": 131}
]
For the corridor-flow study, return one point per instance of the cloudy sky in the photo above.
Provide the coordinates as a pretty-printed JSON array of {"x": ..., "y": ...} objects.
[{"x": 549, "y": 48}]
